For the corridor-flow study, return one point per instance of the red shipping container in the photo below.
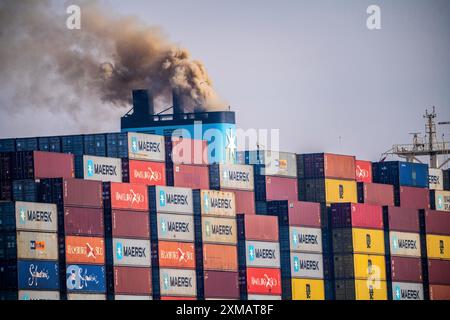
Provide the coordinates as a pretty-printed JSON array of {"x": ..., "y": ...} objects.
[
  {"x": 356, "y": 215},
  {"x": 245, "y": 201},
  {"x": 83, "y": 193},
  {"x": 129, "y": 196},
  {"x": 131, "y": 280},
  {"x": 260, "y": 228},
  {"x": 220, "y": 284},
  {"x": 177, "y": 298},
  {"x": 410, "y": 197},
  {"x": 438, "y": 271},
  {"x": 437, "y": 222},
  {"x": 376, "y": 194},
  {"x": 363, "y": 171},
  {"x": 402, "y": 219},
  {"x": 187, "y": 151},
  {"x": 83, "y": 221},
  {"x": 53, "y": 165},
  {"x": 438, "y": 292},
  {"x": 148, "y": 173},
  {"x": 263, "y": 281},
  {"x": 306, "y": 214},
  {"x": 191, "y": 176},
  {"x": 406, "y": 269},
  {"x": 279, "y": 188},
  {"x": 130, "y": 224}
]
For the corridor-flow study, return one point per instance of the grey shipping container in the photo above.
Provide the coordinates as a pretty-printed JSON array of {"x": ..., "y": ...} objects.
[
  {"x": 406, "y": 291},
  {"x": 305, "y": 239},
  {"x": 38, "y": 295},
  {"x": 175, "y": 227},
  {"x": 131, "y": 252},
  {"x": 172, "y": 200},
  {"x": 177, "y": 282},
  {"x": 307, "y": 265},
  {"x": 262, "y": 254}
]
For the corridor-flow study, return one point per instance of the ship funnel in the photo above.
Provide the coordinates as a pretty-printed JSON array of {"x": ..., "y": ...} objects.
[{"x": 142, "y": 103}]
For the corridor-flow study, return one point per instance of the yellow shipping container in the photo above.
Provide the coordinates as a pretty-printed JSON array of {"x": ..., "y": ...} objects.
[
  {"x": 370, "y": 267},
  {"x": 438, "y": 247},
  {"x": 370, "y": 290},
  {"x": 338, "y": 191},
  {"x": 368, "y": 241},
  {"x": 308, "y": 289}
]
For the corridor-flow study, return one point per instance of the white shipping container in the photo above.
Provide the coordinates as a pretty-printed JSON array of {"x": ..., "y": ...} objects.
[
  {"x": 306, "y": 265},
  {"x": 235, "y": 176},
  {"x": 218, "y": 203},
  {"x": 102, "y": 169},
  {"x": 442, "y": 200},
  {"x": 219, "y": 230},
  {"x": 305, "y": 239},
  {"x": 147, "y": 147},
  {"x": 436, "y": 179},
  {"x": 38, "y": 295},
  {"x": 404, "y": 244},
  {"x": 130, "y": 297},
  {"x": 83, "y": 296},
  {"x": 132, "y": 252},
  {"x": 175, "y": 227},
  {"x": 37, "y": 245},
  {"x": 276, "y": 163},
  {"x": 262, "y": 254},
  {"x": 174, "y": 200},
  {"x": 407, "y": 291},
  {"x": 178, "y": 282},
  {"x": 31, "y": 216}
]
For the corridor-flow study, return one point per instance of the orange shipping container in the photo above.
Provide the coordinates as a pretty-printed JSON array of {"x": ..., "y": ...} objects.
[
  {"x": 176, "y": 255},
  {"x": 220, "y": 257},
  {"x": 129, "y": 196},
  {"x": 148, "y": 173},
  {"x": 438, "y": 292},
  {"x": 88, "y": 250}
]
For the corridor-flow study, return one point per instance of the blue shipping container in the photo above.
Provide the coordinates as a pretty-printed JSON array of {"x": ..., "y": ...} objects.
[
  {"x": 38, "y": 275},
  {"x": 85, "y": 278},
  {"x": 400, "y": 173}
]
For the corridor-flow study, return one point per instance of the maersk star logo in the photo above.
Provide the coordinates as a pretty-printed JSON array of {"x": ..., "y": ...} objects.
[
  {"x": 296, "y": 264},
  {"x": 163, "y": 226},
  {"x": 134, "y": 145},
  {"x": 395, "y": 243},
  {"x": 208, "y": 229},
  {"x": 295, "y": 238},
  {"x": 23, "y": 215},
  {"x": 162, "y": 198},
  {"x": 119, "y": 251},
  {"x": 166, "y": 281},
  {"x": 251, "y": 252},
  {"x": 440, "y": 202},
  {"x": 397, "y": 293},
  {"x": 206, "y": 203},
  {"x": 26, "y": 297},
  {"x": 90, "y": 168}
]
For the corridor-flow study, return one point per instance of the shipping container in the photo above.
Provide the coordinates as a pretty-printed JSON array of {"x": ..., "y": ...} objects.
[
  {"x": 245, "y": 201},
  {"x": 126, "y": 196},
  {"x": 117, "y": 145},
  {"x": 436, "y": 179},
  {"x": 130, "y": 224},
  {"x": 363, "y": 171},
  {"x": 305, "y": 239},
  {"x": 131, "y": 297},
  {"x": 177, "y": 282},
  {"x": 82, "y": 193},
  {"x": 231, "y": 176},
  {"x": 146, "y": 147},
  {"x": 404, "y": 269},
  {"x": 327, "y": 191},
  {"x": 25, "y": 190},
  {"x": 40, "y": 165},
  {"x": 188, "y": 176},
  {"x": 296, "y": 213},
  {"x": 86, "y": 296},
  {"x": 220, "y": 284},
  {"x": 132, "y": 280},
  {"x": 376, "y": 194},
  {"x": 271, "y": 163},
  {"x": 399, "y": 173},
  {"x": 219, "y": 230},
  {"x": 307, "y": 265},
  {"x": 85, "y": 278},
  {"x": 131, "y": 252},
  {"x": 356, "y": 215},
  {"x": 436, "y": 222},
  {"x": 175, "y": 227},
  {"x": 95, "y": 144},
  {"x": 171, "y": 200},
  {"x": 404, "y": 244},
  {"x": 438, "y": 246},
  {"x": 49, "y": 144},
  {"x": 217, "y": 203},
  {"x": 265, "y": 281},
  {"x": 447, "y": 180},
  {"x": 7, "y": 145},
  {"x": 401, "y": 219},
  {"x": 438, "y": 271},
  {"x": 365, "y": 241},
  {"x": 102, "y": 169},
  {"x": 144, "y": 172},
  {"x": 177, "y": 255},
  {"x": 406, "y": 291},
  {"x": 85, "y": 250},
  {"x": 326, "y": 165},
  {"x": 29, "y": 295},
  {"x": 262, "y": 297},
  {"x": 83, "y": 221},
  {"x": 360, "y": 290},
  {"x": 37, "y": 275},
  {"x": 37, "y": 246},
  {"x": 73, "y": 144},
  {"x": 219, "y": 257},
  {"x": 28, "y": 216},
  {"x": 262, "y": 254},
  {"x": 269, "y": 188},
  {"x": 180, "y": 150},
  {"x": 26, "y": 144},
  {"x": 359, "y": 266},
  {"x": 440, "y": 200},
  {"x": 308, "y": 289},
  {"x": 257, "y": 228},
  {"x": 438, "y": 292},
  {"x": 413, "y": 198}
]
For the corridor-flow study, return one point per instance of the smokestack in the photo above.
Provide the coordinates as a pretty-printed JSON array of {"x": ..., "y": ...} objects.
[
  {"x": 142, "y": 103},
  {"x": 177, "y": 103}
]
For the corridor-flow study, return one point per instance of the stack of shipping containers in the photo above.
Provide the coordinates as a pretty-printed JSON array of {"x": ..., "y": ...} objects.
[
  {"x": 172, "y": 241},
  {"x": 216, "y": 244},
  {"x": 259, "y": 257}
]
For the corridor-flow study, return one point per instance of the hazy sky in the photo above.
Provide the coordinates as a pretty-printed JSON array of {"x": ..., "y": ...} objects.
[{"x": 312, "y": 68}]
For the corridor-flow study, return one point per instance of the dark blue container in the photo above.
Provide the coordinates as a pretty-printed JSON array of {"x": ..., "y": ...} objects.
[
  {"x": 7, "y": 145},
  {"x": 50, "y": 144},
  {"x": 73, "y": 145},
  {"x": 25, "y": 190},
  {"x": 399, "y": 173},
  {"x": 27, "y": 144},
  {"x": 38, "y": 275},
  {"x": 95, "y": 145},
  {"x": 85, "y": 278},
  {"x": 117, "y": 145}
]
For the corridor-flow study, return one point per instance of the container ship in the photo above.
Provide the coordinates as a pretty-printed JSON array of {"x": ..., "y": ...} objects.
[{"x": 163, "y": 211}]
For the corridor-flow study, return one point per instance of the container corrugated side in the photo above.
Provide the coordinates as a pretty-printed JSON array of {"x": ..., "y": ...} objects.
[
  {"x": 220, "y": 257},
  {"x": 85, "y": 250},
  {"x": 175, "y": 227},
  {"x": 132, "y": 280},
  {"x": 308, "y": 289},
  {"x": 131, "y": 252},
  {"x": 219, "y": 230},
  {"x": 263, "y": 281},
  {"x": 174, "y": 200},
  {"x": 85, "y": 278},
  {"x": 218, "y": 203},
  {"x": 36, "y": 217},
  {"x": 146, "y": 147},
  {"x": 262, "y": 254},
  {"x": 307, "y": 265},
  {"x": 83, "y": 221},
  {"x": 440, "y": 200},
  {"x": 177, "y": 282},
  {"x": 404, "y": 244},
  {"x": 305, "y": 239},
  {"x": 37, "y": 245},
  {"x": 435, "y": 179},
  {"x": 176, "y": 255},
  {"x": 407, "y": 291},
  {"x": 102, "y": 169},
  {"x": 38, "y": 295},
  {"x": 438, "y": 247}
]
